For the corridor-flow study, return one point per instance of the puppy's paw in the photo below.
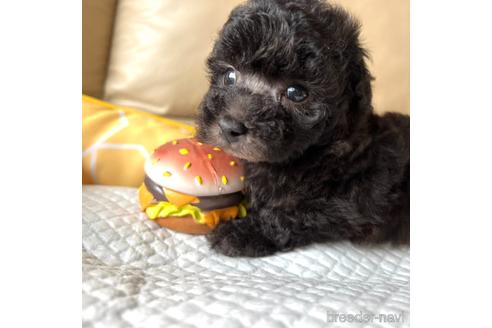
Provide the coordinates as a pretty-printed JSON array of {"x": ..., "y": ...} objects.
[{"x": 233, "y": 238}]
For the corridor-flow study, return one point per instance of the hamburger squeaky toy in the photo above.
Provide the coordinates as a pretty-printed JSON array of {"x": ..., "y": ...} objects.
[{"x": 190, "y": 187}]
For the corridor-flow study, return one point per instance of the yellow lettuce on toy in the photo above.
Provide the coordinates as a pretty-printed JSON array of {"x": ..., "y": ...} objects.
[
  {"x": 166, "y": 209},
  {"x": 211, "y": 218}
]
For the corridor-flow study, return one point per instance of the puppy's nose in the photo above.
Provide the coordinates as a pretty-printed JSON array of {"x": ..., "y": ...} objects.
[{"x": 232, "y": 129}]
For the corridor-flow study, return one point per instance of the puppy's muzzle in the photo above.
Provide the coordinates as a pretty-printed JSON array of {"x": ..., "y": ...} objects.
[{"x": 231, "y": 129}]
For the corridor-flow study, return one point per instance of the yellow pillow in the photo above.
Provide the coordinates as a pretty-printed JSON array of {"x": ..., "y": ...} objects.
[{"x": 116, "y": 141}]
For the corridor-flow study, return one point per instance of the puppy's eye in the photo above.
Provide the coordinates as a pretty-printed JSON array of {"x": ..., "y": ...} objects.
[
  {"x": 230, "y": 77},
  {"x": 296, "y": 93}
]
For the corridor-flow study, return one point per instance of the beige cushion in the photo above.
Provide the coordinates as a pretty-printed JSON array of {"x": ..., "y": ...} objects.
[
  {"x": 159, "y": 52},
  {"x": 160, "y": 47}
]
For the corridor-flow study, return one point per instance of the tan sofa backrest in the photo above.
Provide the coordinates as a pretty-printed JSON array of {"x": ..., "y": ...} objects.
[{"x": 97, "y": 28}]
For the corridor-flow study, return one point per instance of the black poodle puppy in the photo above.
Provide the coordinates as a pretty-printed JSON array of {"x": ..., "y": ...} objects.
[{"x": 290, "y": 94}]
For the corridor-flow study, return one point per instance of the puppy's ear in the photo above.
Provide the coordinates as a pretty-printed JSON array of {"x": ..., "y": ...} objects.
[
  {"x": 360, "y": 82},
  {"x": 354, "y": 56},
  {"x": 342, "y": 30}
]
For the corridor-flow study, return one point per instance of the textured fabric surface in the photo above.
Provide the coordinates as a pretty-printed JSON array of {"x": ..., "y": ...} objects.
[
  {"x": 160, "y": 47},
  {"x": 136, "y": 274}
]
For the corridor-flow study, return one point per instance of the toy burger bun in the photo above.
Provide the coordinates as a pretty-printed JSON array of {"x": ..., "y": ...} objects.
[{"x": 190, "y": 187}]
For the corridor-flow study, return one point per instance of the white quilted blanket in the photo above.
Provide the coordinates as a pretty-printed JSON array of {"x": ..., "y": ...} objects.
[{"x": 136, "y": 274}]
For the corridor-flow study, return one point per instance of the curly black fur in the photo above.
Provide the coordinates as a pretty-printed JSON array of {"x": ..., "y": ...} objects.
[{"x": 324, "y": 169}]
